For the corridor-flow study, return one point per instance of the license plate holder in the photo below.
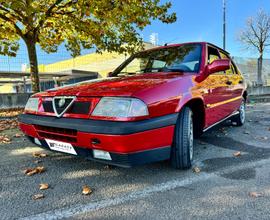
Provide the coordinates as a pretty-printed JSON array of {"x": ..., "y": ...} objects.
[{"x": 61, "y": 146}]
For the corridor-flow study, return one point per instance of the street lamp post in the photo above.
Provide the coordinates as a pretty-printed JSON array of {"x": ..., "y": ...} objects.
[{"x": 224, "y": 24}]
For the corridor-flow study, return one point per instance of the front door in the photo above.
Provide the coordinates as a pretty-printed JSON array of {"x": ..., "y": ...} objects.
[{"x": 216, "y": 92}]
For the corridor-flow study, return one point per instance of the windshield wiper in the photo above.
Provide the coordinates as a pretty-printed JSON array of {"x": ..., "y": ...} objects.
[
  {"x": 176, "y": 70},
  {"x": 165, "y": 69},
  {"x": 125, "y": 74}
]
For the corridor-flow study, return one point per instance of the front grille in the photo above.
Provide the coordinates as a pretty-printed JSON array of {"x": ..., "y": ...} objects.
[
  {"x": 79, "y": 108},
  {"x": 47, "y": 106},
  {"x": 76, "y": 107},
  {"x": 62, "y": 103},
  {"x": 60, "y": 134}
]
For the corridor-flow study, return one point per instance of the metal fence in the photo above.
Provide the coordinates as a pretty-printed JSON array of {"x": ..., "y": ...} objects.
[
  {"x": 104, "y": 63},
  {"x": 249, "y": 67},
  {"x": 20, "y": 62}
]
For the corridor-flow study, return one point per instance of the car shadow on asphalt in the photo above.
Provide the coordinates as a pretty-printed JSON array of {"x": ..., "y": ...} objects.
[{"x": 216, "y": 137}]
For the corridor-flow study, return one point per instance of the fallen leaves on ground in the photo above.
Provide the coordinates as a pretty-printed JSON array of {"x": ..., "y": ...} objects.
[
  {"x": 4, "y": 139},
  {"x": 17, "y": 135},
  {"x": 11, "y": 112},
  {"x": 86, "y": 190},
  {"x": 255, "y": 194},
  {"x": 196, "y": 170},
  {"x": 39, "y": 155},
  {"x": 237, "y": 154},
  {"x": 38, "y": 196},
  {"x": 223, "y": 130},
  {"x": 108, "y": 167},
  {"x": 8, "y": 124},
  {"x": 43, "y": 186},
  {"x": 32, "y": 171}
]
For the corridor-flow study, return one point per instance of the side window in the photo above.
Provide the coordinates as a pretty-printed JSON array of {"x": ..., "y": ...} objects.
[
  {"x": 212, "y": 54},
  {"x": 236, "y": 71},
  {"x": 223, "y": 55},
  {"x": 232, "y": 69}
]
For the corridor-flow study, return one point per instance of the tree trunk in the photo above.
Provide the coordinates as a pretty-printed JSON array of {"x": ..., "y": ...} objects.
[
  {"x": 32, "y": 55},
  {"x": 260, "y": 64}
]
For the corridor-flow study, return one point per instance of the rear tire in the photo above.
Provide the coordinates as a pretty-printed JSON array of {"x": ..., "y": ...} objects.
[
  {"x": 240, "y": 118},
  {"x": 182, "y": 148}
]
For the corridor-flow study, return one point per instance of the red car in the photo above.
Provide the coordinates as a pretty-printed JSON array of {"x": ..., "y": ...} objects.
[{"x": 149, "y": 109}]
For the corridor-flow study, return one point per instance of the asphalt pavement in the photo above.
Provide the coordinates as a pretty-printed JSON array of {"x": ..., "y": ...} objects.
[{"x": 227, "y": 187}]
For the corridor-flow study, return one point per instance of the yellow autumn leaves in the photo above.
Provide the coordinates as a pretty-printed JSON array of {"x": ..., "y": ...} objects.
[{"x": 86, "y": 190}]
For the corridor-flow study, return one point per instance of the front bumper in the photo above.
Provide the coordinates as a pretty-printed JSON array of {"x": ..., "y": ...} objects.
[
  {"x": 122, "y": 160},
  {"x": 129, "y": 143}
]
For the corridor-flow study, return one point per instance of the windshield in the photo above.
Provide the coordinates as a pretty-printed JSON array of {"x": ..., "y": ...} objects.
[{"x": 185, "y": 58}]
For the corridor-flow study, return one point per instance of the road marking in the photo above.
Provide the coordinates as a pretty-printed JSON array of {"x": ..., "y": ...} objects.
[{"x": 146, "y": 192}]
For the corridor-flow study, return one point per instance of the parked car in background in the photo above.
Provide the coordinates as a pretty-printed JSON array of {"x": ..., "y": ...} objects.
[{"x": 149, "y": 109}]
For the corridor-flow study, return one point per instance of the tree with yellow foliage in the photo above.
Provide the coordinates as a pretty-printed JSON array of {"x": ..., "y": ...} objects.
[{"x": 110, "y": 25}]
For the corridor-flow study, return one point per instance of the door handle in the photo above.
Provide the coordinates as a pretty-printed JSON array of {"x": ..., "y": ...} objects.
[{"x": 229, "y": 82}]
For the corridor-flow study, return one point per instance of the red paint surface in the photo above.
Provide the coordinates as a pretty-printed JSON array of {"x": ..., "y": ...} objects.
[
  {"x": 164, "y": 93},
  {"x": 130, "y": 143}
]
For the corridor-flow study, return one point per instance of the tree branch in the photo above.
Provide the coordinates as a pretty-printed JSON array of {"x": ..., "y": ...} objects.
[
  {"x": 18, "y": 17},
  {"x": 257, "y": 32},
  {"x": 48, "y": 13},
  {"x": 18, "y": 30},
  {"x": 65, "y": 5},
  {"x": 254, "y": 31},
  {"x": 247, "y": 39},
  {"x": 64, "y": 13}
]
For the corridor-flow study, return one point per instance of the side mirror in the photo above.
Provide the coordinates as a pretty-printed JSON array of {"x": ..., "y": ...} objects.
[
  {"x": 109, "y": 74},
  {"x": 217, "y": 66}
]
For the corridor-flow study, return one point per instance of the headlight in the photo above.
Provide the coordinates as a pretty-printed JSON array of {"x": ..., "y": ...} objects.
[
  {"x": 32, "y": 104},
  {"x": 120, "y": 107}
]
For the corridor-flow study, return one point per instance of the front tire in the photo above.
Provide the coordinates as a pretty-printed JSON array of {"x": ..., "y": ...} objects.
[
  {"x": 182, "y": 148},
  {"x": 239, "y": 119}
]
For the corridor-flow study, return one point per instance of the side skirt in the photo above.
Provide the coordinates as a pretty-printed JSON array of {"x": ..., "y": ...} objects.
[{"x": 224, "y": 119}]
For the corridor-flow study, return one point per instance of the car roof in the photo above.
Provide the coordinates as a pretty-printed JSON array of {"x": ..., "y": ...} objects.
[
  {"x": 180, "y": 44},
  {"x": 212, "y": 45}
]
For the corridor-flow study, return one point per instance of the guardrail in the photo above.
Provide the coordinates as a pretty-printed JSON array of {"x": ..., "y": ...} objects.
[
  {"x": 259, "y": 90},
  {"x": 18, "y": 100},
  {"x": 15, "y": 100}
]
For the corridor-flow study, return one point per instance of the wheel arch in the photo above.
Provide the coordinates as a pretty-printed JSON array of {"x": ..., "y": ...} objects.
[{"x": 198, "y": 109}]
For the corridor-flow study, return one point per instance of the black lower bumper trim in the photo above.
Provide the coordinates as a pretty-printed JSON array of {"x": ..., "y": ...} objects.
[
  {"x": 121, "y": 160},
  {"x": 99, "y": 126}
]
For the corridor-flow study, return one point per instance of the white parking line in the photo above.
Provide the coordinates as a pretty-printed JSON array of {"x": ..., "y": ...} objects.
[{"x": 169, "y": 185}]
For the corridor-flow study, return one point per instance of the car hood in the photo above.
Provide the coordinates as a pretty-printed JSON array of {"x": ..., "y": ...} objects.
[{"x": 114, "y": 86}]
